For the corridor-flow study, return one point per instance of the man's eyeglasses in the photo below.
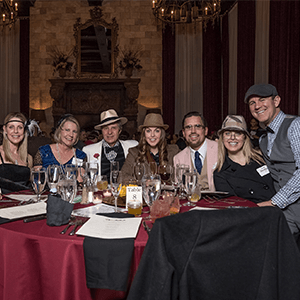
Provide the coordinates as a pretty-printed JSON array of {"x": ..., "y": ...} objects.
[{"x": 196, "y": 127}]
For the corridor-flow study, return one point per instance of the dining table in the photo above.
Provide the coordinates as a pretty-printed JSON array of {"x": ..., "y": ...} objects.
[{"x": 37, "y": 262}]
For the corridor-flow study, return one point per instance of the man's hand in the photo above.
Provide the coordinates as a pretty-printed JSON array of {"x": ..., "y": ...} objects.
[{"x": 265, "y": 203}]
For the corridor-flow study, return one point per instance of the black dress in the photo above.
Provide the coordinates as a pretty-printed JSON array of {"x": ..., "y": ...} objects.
[{"x": 13, "y": 178}]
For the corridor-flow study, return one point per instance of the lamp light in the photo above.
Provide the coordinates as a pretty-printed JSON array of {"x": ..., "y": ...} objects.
[{"x": 8, "y": 13}]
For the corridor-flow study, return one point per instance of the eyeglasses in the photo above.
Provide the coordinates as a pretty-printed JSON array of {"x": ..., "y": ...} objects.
[
  {"x": 197, "y": 126},
  {"x": 236, "y": 134}
]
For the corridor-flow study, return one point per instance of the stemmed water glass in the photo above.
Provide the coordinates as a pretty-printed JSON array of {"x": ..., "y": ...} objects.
[
  {"x": 115, "y": 178},
  {"x": 190, "y": 182},
  {"x": 151, "y": 188},
  {"x": 54, "y": 173},
  {"x": 139, "y": 171},
  {"x": 38, "y": 180},
  {"x": 67, "y": 187},
  {"x": 89, "y": 172}
]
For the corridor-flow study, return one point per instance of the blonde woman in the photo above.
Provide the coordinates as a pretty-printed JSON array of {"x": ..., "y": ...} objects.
[
  {"x": 15, "y": 162},
  {"x": 241, "y": 170},
  {"x": 152, "y": 147},
  {"x": 62, "y": 152}
]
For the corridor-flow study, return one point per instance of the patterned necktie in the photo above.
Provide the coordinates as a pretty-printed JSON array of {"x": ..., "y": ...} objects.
[{"x": 198, "y": 162}]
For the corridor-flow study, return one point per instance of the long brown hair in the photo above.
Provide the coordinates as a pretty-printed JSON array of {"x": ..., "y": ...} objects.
[
  {"x": 22, "y": 148},
  {"x": 248, "y": 151},
  {"x": 144, "y": 147}
]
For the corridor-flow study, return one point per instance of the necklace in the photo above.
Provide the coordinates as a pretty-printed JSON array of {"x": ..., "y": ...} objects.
[{"x": 59, "y": 157}]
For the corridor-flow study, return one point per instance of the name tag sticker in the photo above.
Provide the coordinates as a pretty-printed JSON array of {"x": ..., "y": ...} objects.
[
  {"x": 262, "y": 171},
  {"x": 77, "y": 161},
  {"x": 134, "y": 193}
]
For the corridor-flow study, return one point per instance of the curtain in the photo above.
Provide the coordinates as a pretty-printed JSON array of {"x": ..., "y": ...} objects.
[{"x": 9, "y": 70}]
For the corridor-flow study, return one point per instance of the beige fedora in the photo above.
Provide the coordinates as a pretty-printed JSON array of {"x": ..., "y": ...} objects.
[
  {"x": 154, "y": 120},
  {"x": 108, "y": 117},
  {"x": 234, "y": 122}
]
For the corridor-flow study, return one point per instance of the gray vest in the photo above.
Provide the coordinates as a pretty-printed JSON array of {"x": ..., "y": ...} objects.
[{"x": 281, "y": 163}]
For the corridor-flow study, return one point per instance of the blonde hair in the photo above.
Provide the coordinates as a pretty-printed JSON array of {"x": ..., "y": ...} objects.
[
  {"x": 248, "y": 151},
  {"x": 22, "y": 148},
  {"x": 61, "y": 123},
  {"x": 144, "y": 147}
]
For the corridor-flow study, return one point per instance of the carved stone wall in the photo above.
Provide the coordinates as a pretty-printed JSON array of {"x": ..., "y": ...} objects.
[{"x": 87, "y": 98}]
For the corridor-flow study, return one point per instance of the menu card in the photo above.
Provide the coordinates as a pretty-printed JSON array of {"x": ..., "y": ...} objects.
[
  {"x": 110, "y": 228},
  {"x": 22, "y": 211}
]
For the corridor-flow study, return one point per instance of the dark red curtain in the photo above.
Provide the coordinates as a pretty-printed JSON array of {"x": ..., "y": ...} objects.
[
  {"x": 285, "y": 52},
  {"x": 212, "y": 85},
  {"x": 168, "y": 77},
  {"x": 246, "y": 54}
]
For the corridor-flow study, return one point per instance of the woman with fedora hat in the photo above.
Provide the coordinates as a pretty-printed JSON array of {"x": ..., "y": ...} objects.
[
  {"x": 241, "y": 170},
  {"x": 152, "y": 146}
]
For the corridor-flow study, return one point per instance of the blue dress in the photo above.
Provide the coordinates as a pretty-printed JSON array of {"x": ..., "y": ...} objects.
[{"x": 49, "y": 159}]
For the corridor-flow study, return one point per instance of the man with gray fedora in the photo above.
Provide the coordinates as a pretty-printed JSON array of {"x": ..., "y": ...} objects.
[
  {"x": 110, "y": 148},
  {"x": 280, "y": 146}
]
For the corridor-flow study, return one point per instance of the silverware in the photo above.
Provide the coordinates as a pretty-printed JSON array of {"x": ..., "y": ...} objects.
[
  {"x": 148, "y": 230},
  {"x": 35, "y": 218},
  {"x": 77, "y": 223},
  {"x": 68, "y": 226}
]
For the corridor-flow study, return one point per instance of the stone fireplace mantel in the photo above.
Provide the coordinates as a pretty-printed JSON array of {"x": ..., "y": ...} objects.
[{"x": 86, "y": 98}]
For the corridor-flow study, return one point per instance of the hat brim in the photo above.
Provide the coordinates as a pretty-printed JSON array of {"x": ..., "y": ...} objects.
[
  {"x": 122, "y": 120},
  {"x": 165, "y": 126},
  {"x": 233, "y": 129}
]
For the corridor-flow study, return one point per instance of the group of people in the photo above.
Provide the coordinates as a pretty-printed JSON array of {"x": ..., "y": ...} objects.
[{"x": 268, "y": 176}]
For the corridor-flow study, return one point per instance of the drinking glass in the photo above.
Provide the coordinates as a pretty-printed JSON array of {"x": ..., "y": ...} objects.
[
  {"x": 70, "y": 170},
  {"x": 139, "y": 171},
  {"x": 102, "y": 183},
  {"x": 54, "y": 173},
  {"x": 90, "y": 172},
  {"x": 180, "y": 170},
  {"x": 67, "y": 188},
  {"x": 165, "y": 172},
  {"x": 151, "y": 188},
  {"x": 38, "y": 180},
  {"x": 116, "y": 185},
  {"x": 190, "y": 182}
]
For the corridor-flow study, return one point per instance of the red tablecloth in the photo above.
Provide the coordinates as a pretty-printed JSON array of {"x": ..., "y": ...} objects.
[{"x": 37, "y": 262}]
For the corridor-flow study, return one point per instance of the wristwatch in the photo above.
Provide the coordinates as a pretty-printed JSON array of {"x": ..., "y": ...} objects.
[{"x": 273, "y": 203}]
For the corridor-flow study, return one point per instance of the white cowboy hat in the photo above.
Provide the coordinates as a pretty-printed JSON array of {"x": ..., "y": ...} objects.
[{"x": 108, "y": 117}]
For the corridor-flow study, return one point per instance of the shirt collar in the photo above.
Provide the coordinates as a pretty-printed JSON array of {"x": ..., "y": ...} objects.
[
  {"x": 276, "y": 123},
  {"x": 202, "y": 150}
]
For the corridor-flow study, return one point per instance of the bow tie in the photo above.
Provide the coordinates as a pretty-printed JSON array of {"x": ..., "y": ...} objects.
[
  {"x": 268, "y": 129},
  {"x": 110, "y": 149}
]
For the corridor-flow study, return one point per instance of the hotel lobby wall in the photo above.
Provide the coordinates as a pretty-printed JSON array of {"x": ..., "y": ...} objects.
[{"x": 51, "y": 24}]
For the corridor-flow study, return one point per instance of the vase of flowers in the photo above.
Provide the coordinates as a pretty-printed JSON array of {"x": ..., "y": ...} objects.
[
  {"x": 130, "y": 61},
  {"x": 61, "y": 61}
]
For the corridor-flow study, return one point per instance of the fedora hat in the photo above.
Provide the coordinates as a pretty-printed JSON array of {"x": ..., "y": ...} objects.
[
  {"x": 234, "y": 122},
  {"x": 154, "y": 120},
  {"x": 108, "y": 117}
]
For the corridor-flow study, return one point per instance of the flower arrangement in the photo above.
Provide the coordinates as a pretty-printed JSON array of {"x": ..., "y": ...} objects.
[
  {"x": 96, "y": 155},
  {"x": 60, "y": 59},
  {"x": 130, "y": 59}
]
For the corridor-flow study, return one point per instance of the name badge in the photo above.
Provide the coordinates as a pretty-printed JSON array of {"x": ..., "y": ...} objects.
[
  {"x": 262, "y": 171},
  {"x": 134, "y": 193},
  {"x": 77, "y": 161}
]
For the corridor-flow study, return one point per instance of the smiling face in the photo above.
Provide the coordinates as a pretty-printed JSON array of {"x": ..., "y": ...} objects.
[
  {"x": 264, "y": 109},
  {"x": 14, "y": 130},
  {"x": 194, "y": 132},
  {"x": 152, "y": 136},
  {"x": 111, "y": 133},
  {"x": 69, "y": 133},
  {"x": 233, "y": 141}
]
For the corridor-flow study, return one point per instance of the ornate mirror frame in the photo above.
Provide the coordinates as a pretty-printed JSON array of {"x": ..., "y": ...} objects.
[{"x": 96, "y": 20}]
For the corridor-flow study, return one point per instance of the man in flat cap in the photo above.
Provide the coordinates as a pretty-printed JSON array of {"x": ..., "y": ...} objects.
[
  {"x": 110, "y": 148},
  {"x": 281, "y": 150}
]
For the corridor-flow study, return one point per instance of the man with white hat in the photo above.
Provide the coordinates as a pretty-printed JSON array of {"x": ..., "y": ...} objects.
[
  {"x": 110, "y": 148},
  {"x": 280, "y": 146},
  {"x": 201, "y": 154}
]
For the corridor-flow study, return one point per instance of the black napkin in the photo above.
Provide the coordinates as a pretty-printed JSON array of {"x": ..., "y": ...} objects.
[
  {"x": 4, "y": 220},
  {"x": 107, "y": 262},
  {"x": 58, "y": 211}
]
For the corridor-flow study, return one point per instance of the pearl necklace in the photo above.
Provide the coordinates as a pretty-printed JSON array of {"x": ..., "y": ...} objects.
[{"x": 59, "y": 157}]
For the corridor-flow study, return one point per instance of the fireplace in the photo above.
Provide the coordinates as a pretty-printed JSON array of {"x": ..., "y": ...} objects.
[{"x": 86, "y": 98}]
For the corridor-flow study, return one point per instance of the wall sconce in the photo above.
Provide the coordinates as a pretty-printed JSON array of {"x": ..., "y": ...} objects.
[{"x": 38, "y": 115}]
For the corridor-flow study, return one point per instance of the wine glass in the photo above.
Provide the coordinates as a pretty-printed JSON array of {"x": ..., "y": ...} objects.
[
  {"x": 89, "y": 171},
  {"x": 190, "y": 182},
  {"x": 165, "y": 172},
  {"x": 69, "y": 170},
  {"x": 139, "y": 171},
  {"x": 151, "y": 188},
  {"x": 67, "y": 188},
  {"x": 38, "y": 180},
  {"x": 116, "y": 185},
  {"x": 54, "y": 173}
]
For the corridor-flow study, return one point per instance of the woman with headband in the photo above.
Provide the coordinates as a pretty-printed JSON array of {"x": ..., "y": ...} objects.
[
  {"x": 62, "y": 152},
  {"x": 15, "y": 162}
]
